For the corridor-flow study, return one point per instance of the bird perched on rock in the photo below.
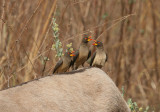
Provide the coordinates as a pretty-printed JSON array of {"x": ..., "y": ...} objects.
[
  {"x": 82, "y": 54},
  {"x": 99, "y": 56},
  {"x": 64, "y": 63}
]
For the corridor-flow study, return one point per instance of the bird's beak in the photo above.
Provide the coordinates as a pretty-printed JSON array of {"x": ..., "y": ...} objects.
[
  {"x": 95, "y": 44},
  {"x": 72, "y": 54},
  {"x": 89, "y": 39}
]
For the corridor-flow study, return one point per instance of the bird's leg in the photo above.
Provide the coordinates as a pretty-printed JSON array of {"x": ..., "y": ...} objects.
[
  {"x": 82, "y": 64},
  {"x": 74, "y": 67}
]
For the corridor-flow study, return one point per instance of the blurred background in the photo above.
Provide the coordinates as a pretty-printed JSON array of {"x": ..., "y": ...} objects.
[{"x": 129, "y": 30}]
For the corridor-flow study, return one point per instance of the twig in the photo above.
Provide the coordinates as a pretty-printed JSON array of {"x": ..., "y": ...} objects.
[{"x": 119, "y": 21}]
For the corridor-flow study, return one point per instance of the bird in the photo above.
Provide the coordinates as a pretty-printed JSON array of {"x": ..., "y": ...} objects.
[
  {"x": 82, "y": 54},
  {"x": 64, "y": 63},
  {"x": 99, "y": 57}
]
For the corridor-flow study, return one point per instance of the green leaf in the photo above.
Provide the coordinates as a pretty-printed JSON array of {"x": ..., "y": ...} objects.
[
  {"x": 132, "y": 1},
  {"x": 69, "y": 45},
  {"x": 60, "y": 44},
  {"x": 57, "y": 44},
  {"x": 46, "y": 58},
  {"x": 105, "y": 15},
  {"x": 142, "y": 31},
  {"x": 129, "y": 101},
  {"x": 61, "y": 50},
  {"x": 147, "y": 108},
  {"x": 71, "y": 49},
  {"x": 135, "y": 104},
  {"x": 123, "y": 91}
]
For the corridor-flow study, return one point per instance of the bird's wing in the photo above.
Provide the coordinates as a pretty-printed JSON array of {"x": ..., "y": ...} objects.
[
  {"x": 74, "y": 58},
  {"x": 92, "y": 58},
  {"x": 71, "y": 63},
  {"x": 59, "y": 63},
  {"x": 106, "y": 57},
  {"x": 89, "y": 54}
]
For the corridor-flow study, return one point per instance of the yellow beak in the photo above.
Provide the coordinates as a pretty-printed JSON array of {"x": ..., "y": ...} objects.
[
  {"x": 89, "y": 39},
  {"x": 95, "y": 44},
  {"x": 72, "y": 55}
]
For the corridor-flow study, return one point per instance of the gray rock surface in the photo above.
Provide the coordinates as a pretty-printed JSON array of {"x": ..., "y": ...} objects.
[{"x": 85, "y": 90}]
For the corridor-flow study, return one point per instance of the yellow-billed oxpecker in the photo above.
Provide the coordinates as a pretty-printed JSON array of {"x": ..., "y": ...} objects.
[
  {"x": 82, "y": 54},
  {"x": 99, "y": 56},
  {"x": 64, "y": 63}
]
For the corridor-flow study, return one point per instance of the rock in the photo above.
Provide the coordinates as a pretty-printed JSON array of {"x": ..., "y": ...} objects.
[{"x": 84, "y": 90}]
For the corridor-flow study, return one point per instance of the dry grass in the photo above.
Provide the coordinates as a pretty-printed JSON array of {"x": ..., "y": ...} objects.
[{"x": 128, "y": 28}]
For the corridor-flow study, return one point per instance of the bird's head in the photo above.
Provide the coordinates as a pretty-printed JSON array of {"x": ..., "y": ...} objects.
[
  {"x": 70, "y": 53},
  {"x": 97, "y": 43},
  {"x": 86, "y": 39}
]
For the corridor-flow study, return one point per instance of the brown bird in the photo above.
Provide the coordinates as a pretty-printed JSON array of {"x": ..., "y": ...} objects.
[
  {"x": 64, "y": 63},
  {"x": 82, "y": 54},
  {"x": 99, "y": 56}
]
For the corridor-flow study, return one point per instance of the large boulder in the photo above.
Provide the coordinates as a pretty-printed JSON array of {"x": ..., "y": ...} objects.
[{"x": 84, "y": 90}]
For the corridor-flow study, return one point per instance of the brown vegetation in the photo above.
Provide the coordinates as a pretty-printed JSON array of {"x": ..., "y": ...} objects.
[{"x": 128, "y": 28}]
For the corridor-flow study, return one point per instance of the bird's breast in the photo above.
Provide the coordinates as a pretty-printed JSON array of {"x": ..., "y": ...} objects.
[
  {"x": 99, "y": 58},
  {"x": 83, "y": 52}
]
